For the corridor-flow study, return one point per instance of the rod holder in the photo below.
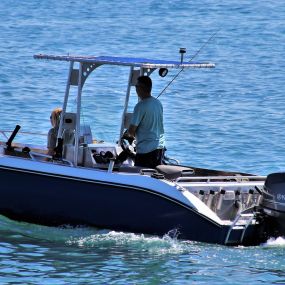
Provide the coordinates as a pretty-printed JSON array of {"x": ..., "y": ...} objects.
[{"x": 11, "y": 138}]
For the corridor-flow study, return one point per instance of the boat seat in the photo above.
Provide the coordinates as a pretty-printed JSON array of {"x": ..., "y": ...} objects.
[
  {"x": 69, "y": 127},
  {"x": 86, "y": 134},
  {"x": 134, "y": 169},
  {"x": 173, "y": 172}
]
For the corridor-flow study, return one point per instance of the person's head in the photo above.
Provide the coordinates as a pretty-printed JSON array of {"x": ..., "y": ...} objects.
[
  {"x": 55, "y": 117},
  {"x": 144, "y": 86}
]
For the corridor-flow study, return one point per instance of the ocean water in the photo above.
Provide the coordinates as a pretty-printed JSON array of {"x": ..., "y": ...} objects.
[{"x": 231, "y": 117}]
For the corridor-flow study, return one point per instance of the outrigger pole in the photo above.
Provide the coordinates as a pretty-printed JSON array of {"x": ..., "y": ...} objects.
[{"x": 182, "y": 51}]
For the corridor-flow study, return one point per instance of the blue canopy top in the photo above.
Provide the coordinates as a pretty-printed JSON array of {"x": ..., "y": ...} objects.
[{"x": 126, "y": 61}]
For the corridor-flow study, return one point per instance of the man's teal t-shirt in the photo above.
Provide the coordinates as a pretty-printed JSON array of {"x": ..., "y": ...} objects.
[{"x": 148, "y": 118}]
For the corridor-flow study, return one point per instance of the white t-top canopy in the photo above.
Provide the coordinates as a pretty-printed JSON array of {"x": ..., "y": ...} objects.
[{"x": 127, "y": 61}]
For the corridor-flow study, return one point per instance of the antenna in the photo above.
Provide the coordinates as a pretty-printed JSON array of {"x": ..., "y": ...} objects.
[{"x": 182, "y": 51}]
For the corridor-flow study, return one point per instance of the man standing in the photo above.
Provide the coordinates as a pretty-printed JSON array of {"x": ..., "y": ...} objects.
[{"x": 147, "y": 126}]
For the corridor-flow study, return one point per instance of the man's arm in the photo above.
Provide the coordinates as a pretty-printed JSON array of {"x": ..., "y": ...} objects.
[{"x": 132, "y": 130}]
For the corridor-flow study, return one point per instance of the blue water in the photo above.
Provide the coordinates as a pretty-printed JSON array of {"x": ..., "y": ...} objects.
[{"x": 231, "y": 117}]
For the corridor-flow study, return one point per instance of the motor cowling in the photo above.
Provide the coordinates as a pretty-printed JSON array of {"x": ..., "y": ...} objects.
[{"x": 273, "y": 202}]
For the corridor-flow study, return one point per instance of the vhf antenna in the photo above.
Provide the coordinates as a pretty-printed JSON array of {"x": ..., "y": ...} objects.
[{"x": 182, "y": 51}]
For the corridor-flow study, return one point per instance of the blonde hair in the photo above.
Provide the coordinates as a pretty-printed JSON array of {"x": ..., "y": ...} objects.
[{"x": 55, "y": 117}]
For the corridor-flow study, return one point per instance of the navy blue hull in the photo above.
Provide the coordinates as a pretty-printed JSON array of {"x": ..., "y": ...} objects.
[{"x": 57, "y": 200}]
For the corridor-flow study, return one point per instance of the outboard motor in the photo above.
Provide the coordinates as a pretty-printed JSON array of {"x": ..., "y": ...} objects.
[{"x": 273, "y": 202}]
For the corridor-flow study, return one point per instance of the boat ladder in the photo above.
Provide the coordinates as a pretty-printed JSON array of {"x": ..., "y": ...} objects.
[{"x": 241, "y": 223}]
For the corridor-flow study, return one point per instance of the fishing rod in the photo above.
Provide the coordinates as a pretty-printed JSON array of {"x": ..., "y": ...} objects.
[{"x": 182, "y": 51}]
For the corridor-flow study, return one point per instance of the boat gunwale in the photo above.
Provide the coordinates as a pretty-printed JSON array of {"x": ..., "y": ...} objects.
[{"x": 137, "y": 188}]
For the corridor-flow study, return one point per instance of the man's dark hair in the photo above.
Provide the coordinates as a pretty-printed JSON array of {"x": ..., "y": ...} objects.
[{"x": 145, "y": 82}]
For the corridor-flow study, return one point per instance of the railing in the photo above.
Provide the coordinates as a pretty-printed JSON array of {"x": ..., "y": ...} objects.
[
  {"x": 3, "y": 132},
  {"x": 34, "y": 156},
  {"x": 220, "y": 178},
  {"x": 30, "y": 139}
]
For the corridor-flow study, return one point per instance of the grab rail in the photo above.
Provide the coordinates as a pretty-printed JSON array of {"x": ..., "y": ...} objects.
[
  {"x": 218, "y": 178},
  {"x": 34, "y": 154},
  {"x": 5, "y": 132}
]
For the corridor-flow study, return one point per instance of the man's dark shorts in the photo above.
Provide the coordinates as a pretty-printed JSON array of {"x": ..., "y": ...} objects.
[{"x": 150, "y": 159}]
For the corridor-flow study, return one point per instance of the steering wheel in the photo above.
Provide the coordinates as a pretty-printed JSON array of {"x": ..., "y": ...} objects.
[{"x": 128, "y": 148}]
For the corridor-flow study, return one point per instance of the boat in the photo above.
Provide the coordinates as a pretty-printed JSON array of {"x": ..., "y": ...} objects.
[{"x": 87, "y": 183}]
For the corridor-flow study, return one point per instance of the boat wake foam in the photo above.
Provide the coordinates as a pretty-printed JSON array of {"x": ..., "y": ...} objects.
[
  {"x": 87, "y": 237},
  {"x": 152, "y": 244},
  {"x": 275, "y": 242}
]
